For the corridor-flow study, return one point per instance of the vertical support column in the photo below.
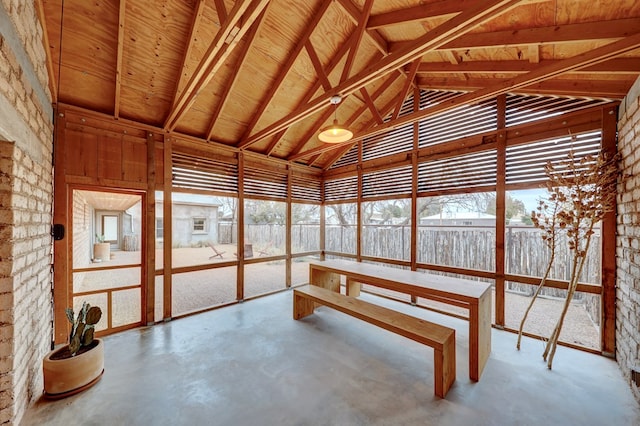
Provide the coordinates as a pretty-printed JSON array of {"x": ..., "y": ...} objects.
[
  {"x": 414, "y": 188},
  {"x": 501, "y": 217},
  {"x": 240, "y": 251},
  {"x": 608, "y": 315},
  {"x": 61, "y": 248},
  {"x": 288, "y": 229},
  {"x": 149, "y": 241},
  {"x": 359, "y": 213},
  {"x": 167, "y": 223}
]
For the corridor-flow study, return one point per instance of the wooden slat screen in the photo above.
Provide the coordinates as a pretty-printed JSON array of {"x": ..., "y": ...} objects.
[
  {"x": 306, "y": 189},
  {"x": 388, "y": 143},
  {"x": 395, "y": 181},
  {"x": 265, "y": 183},
  {"x": 523, "y": 109},
  {"x": 192, "y": 172},
  {"x": 525, "y": 163},
  {"x": 466, "y": 171},
  {"x": 350, "y": 157},
  {"x": 341, "y": 189},
  {"x": 466, "y": 120}
]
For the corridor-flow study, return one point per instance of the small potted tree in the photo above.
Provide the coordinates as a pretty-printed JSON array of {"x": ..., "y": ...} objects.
[
  {"x": 101, "y": 249},
  {"x": 79, "y": 364}
]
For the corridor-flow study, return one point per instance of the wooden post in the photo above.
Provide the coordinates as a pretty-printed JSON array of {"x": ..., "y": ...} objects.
[
  {"x": 414, "y": 189},
  {"x": 240, "y": 251},
  {"x": 61, "y": 248},
  {"x": 608, "y": 241},
  {"x": 167, "y": 224},
  {"x": 288, "y": 229},
  {"x": 501, "y": 198},
  {"x": 149, "y": 242}
]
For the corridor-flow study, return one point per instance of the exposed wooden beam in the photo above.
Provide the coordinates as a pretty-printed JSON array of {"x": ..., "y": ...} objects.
[
  {"x": 424, "y": 12},
  {"x": 360, "y": 30},
  {"x": 221, "y": 10},
  {"x": 234, "y": 78},
  {"x": 195, "y": 22},
  {"x": 354, "y": 13},
  {"x": 372, "y": 107},
  {"x": 344, "y": 49},
  {"x": 433, "y": 39},
  {"x": 586, "y": 31},
  {"x": 534, "y": 53},
  {"x": 542, "y": 73},
  {"x": 405, "y": 89},
  {"x": 310, "y": 27},
  {"x": 609, "y": 89},
  {"x": 239, "y": 21},
  {"x": 315, "y": 61},
  {"x": 121, "y": 15},
  {"x": 613, "y": 66}
]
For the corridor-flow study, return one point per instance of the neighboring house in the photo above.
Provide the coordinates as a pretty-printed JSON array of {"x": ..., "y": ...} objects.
[
  {"x": 459, "y": 219},
  {"x": 195, "y": 220}
]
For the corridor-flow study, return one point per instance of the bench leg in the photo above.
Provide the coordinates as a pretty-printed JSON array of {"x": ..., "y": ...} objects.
[
  {"x": 445, "y": 367},
  {"x": 353, "y": 287},
  {"x": 301, "y": 306}
]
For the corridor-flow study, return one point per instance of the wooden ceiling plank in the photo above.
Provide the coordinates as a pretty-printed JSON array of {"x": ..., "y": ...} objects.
[
  {"x": 257, "y": 115},
  {"x": 274, "y": 143},
  {"x": 239, "y": 21},
  {"x": 405, "y": 89},
  {"x": 195, "y": 22},
  {"x": 542, "y": 73},
  {"x": 449, "y": 30},
  {"x": 234, "y": 77},
  {"x": 360, "y": 31},
  {"x": 121, "y": 15},
  {"x": 315, "y": 60},
  {"x": 53, "y": 84}
]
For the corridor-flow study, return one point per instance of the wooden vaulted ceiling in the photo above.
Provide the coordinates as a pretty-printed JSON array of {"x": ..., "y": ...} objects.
[{"x": 258, "y": 75}]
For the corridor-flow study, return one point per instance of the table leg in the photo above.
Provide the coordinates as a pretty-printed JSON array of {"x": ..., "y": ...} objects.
[
  {"x": 479, "y": 335},
  {"x": 353, "y": 287},
  {"x": 326, "y": 279}
]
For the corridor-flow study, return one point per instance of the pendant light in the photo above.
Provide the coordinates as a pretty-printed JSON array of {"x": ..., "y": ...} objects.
[{"x": 335, "y": 133}]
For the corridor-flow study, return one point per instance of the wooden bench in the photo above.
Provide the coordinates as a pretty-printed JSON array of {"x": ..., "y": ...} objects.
[{"x": 440, "y": 338}]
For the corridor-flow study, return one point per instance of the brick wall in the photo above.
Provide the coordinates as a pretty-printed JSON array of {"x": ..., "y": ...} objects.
[
  {"x": 26, "y": 134},
  {"x": 628, "y": 241}
]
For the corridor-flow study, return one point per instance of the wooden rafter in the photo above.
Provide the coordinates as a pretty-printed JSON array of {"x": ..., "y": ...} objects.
[
  {"x": 433, "y": 39},
  {"x": 613, "y": 66},
  {"x": 330, "y": 67},
  {"x": 405, "y": 89},
  {"x": 121, "y": 15},
  {"x": 542, "y": 73},
  {"x": 195, "y": 22},
  {"x": 608, "y": 89},
  {"x": 221, "y": 10},
  {"x": 355, "y": 13},
  {"x": 360, "y": 31},
  {"x": 257, "y": 115},
  {"x": 315, "y": 61},
  {"x": 586, "y": 31},
  {"x": 238, "y": 23},
  {"x": 234, "y": 77},
  {"x": 419, "y": 13},
  {"x": 383, "y": 88},
  {"x": 372, "y": 107}
]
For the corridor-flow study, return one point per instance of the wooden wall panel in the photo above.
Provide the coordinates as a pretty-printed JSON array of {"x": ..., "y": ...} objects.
[
  {"x": 134, "y": 160},
  {"x": 81, "y": 153},
  {"x": 110, "y": 155}
]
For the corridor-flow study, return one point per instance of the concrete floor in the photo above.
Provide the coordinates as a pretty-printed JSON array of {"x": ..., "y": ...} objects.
[{"x": 252, "y": 364}]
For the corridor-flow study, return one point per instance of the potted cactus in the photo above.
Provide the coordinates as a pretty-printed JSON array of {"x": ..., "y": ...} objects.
[{"x": 79, "y": 364}]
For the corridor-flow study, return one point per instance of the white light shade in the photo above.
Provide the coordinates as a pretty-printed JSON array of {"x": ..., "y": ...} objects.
[{"x": 335, "y": 133}]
